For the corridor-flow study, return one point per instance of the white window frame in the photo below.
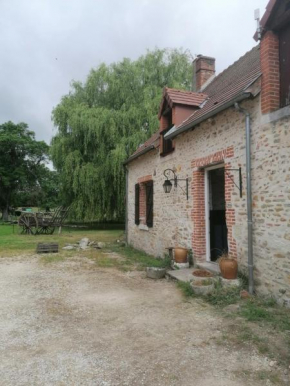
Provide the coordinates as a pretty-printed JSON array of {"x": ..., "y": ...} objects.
[{"x": 207, "y": 210}]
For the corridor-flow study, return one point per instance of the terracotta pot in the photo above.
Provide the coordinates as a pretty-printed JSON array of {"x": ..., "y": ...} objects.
[
  {"x": 202, "y": 273},
  {"x": 180, "y": 255},
  {"x": 229, "y": 268}
]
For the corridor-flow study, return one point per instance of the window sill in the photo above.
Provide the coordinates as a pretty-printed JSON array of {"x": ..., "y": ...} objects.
[
  {"x": 143, "y": 227},
  {"x": 276, "y": 115}
]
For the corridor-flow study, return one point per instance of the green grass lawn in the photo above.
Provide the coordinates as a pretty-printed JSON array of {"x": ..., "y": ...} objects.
[
  {"x": 114, "y": 254},
  {"x": 13, "y": 243}
]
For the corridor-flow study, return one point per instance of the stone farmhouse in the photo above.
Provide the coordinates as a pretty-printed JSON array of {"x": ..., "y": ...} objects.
[{"x": 228, "y": 144}]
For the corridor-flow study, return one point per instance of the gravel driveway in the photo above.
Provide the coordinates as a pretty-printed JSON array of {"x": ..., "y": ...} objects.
[{"x": 72, "y": 323}]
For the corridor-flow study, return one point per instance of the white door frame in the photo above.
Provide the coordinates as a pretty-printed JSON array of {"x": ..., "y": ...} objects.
[{"x": 207, "y": 212}]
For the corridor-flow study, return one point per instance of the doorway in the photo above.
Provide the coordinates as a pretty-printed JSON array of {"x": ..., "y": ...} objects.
[{"x": 216, "y": 227}]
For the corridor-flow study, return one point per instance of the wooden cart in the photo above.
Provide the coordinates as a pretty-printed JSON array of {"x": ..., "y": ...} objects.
[{"x": 42, "y": 223}]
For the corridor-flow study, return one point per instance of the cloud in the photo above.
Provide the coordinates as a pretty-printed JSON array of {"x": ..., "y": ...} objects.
[{"x": 47, "y": 43}]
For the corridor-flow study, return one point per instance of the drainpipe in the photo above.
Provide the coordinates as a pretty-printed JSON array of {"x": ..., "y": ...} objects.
[
  {"x": 249, "y": 197},
  {"x": 126, "y": 204}
]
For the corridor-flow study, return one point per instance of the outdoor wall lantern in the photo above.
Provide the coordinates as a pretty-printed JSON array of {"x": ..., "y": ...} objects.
[{"x": 167, "y": 186}]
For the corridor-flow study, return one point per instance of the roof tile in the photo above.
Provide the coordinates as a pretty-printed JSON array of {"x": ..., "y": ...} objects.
[
  {"x": 153, "y": 140},
  {"x": 185, "y": 97}
]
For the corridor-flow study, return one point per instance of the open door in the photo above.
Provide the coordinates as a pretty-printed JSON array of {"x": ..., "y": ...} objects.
[{"x": 217, "y": 235}]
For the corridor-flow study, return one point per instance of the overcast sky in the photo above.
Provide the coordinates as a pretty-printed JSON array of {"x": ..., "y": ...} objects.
[{"x": 44, "y": 44}]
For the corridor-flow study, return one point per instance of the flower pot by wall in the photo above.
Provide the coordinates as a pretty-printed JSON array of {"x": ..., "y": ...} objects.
[
  {"x": 202, "y": 273},
  {"x": 229, "y": 268},
  {"x": 155, "y": 273},
  {"x": 200, "y": 276},
  {"x": 180, "y": 255},
  {"x": 203, "y": 288}
]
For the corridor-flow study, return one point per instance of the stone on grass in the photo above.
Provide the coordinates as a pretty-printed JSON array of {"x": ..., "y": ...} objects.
[
  {"x": 84, "y": 243},
  {"x": 69, "y": 247},
  {"x": 95, "y": 246},
  {"x": 155, "y": 272}
]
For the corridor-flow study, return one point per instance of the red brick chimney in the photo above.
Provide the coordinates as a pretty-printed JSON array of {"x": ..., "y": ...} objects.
[
  {"x": 203, "y": 70},
  {"x": 269, "y": 54}
]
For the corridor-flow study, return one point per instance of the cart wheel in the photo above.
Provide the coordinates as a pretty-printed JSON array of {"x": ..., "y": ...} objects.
[{"x": 27, "y": 223}]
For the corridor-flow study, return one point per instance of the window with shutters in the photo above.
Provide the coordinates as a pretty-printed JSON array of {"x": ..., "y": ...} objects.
[
  {"x": 137, "y": 204},
  {"x": 149, "y": 204},
  {"x": 144, "y": 204}
]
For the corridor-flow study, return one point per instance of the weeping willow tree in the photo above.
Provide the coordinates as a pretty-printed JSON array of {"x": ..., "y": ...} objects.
[{"x": 103, "y": 120}]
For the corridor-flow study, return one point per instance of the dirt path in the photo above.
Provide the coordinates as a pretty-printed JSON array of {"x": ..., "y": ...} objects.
[{"x": 71, "y": 323}]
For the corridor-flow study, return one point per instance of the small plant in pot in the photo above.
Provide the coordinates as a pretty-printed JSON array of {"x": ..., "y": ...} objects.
[
  {"x": 203, "y": 287},
  {"x": 228, "y": 266},
  {"x": 201, "y": 276}
]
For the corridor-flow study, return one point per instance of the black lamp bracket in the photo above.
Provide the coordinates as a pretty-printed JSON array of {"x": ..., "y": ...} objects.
[
  {"x": 240, "y": 187},
  {"x": 167, "y": 173}
]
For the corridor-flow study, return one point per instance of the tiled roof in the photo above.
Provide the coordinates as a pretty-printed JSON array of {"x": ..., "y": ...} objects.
[
  {"x": 185, "y": 97},
  {"x": 150, "y": 144},
  {"x": 181, "y": 97},
  {"x": 230, "y": 84}
]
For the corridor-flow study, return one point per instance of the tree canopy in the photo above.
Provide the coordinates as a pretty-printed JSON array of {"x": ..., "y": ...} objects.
[
  {"x": 24, "y": 178},
  {"x": 103, "y": 120}
]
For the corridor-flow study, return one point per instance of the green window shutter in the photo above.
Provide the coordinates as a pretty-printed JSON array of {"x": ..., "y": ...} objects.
[
  {"x": 137, "y": 205},
  {"x": 149, "y": 204}
]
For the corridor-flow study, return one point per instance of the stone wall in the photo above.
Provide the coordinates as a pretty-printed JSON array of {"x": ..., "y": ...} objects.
[
  {"x": 181, "y": 222},
  {"x": 271, "y": 207}
]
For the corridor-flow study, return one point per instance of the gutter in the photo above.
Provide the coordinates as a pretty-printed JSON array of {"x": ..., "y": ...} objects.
[
  {"x": 249, "y": 197},
  {"x": 208, "y": 115},
  {"x": 126, "y": 203},
  {"x": 134, "y": 156}
]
